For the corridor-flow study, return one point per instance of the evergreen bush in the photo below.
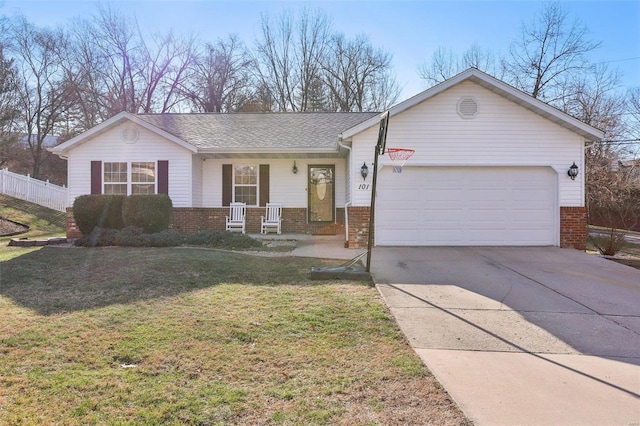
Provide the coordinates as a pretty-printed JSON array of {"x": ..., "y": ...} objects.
[
  {"x": 150, "y": 212},
  {"x": 98, "y": 211},
  {"x": 98, "y": 237}
]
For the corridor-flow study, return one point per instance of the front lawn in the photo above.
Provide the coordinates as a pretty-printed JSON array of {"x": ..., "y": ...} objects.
[{"x": 197, "y": 336}]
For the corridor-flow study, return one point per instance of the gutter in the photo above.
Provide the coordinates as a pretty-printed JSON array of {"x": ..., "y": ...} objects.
[{"x": 348, "y": 203}]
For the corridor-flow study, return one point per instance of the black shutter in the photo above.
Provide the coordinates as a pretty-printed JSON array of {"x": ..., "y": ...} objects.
[
  {"x": 264, "y": 184},
  {"x": 96, "y": 177},
  {"x": 227, "y": 187},
  {"x": 163, "y": 177}
]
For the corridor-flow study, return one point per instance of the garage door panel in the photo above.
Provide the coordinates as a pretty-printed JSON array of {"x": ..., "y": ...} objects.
[
  {"x": 486, "y": 215},
  {"x": 400, "y": 237},
  {"x": 487, "y": 236},
  {"x": 401, "y": 195},
  {"x": 442, "y": 236},
  {"x": 467, "y": 206},
  {"x": 487, "y": 195},
  {"x": 532, "y": 195},
  {"x": 433, "y": 195},
  {"x": 409, "y": 216},
  {"x": 443, "y": 215}
]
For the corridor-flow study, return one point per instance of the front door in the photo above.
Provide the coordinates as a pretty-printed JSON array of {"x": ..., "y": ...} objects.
[{"x": 321, "y": 194}]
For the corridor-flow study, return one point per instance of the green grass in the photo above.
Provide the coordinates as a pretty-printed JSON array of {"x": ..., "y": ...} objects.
[
  {"x": 630, "y": 251},
  {"x": 196, "y": 336},
  {"x": 44, "y": 223}
]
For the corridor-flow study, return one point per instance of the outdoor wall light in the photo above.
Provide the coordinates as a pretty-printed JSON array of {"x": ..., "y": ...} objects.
[
  {"x": 573, "y": 171},
  {"x": 295, "y": 168},
  {"x": 364, "y": 171}
]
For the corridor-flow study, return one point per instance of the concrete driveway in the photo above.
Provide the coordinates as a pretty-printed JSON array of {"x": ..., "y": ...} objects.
[{"x": 531, "y": 335}]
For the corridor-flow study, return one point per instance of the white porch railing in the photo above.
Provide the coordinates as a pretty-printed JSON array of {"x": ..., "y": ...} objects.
[{"x": 33, "y": 190}]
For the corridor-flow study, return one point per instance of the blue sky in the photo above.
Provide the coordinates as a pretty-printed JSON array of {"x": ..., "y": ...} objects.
[{"x": 410, "y": 30}]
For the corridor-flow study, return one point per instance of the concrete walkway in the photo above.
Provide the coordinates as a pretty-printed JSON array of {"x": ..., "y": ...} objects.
[
  {"x": 318, "y": 246},
  {"x": 528, "y": 336}
]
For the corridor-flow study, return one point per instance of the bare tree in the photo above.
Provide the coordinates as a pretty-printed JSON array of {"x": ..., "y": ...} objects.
[
  {"x": 291, "y": 56},
  {"x": 633, "y": 110},
  {"x": 445, "y": 64},
  {"x": 550, "y": 51},
  {"x": 613, "y": 195},
  {"x": 119, "y": 56},
  {"x": 220, "y": 77},
  {"x": 359, "y": 76},
  {"x": 275, "y": 58},
  {"x": 41, "y": 94},
  {"x": 594, "y": 98},
  {"x": 163, "y": 67},
  {"x": 112, "y": 68},
  {"x": 85, "y": 75},
  {"x": 313, "y": 35},
  {"x": 8, "y": 111}
]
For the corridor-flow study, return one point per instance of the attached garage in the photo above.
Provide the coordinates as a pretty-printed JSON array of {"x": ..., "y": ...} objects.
[
  {"x": 490, "y": 168},
  {"x": 467, "y": 206}
]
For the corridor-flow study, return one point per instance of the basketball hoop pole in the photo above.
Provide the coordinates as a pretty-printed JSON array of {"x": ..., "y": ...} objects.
[
  {"x": 379, "y": 149},
  {"x": 372, "y": 208}
]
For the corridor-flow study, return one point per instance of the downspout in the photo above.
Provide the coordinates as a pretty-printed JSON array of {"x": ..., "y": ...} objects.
[{"x": 346, "y": 205}]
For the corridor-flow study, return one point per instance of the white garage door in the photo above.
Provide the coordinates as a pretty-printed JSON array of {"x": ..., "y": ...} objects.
[{"x": 466, "y": 206}]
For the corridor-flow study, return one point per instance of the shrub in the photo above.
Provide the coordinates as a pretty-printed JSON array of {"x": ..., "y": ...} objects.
[
  {"x": 98, "y": 237},
  {"x": 98, "y": 211},
  {"x": 222, "y": 239},
  {"x": 132, "y": 237},
  {"x": 168, "y": 238},
  {"x": 610, "y": 243},
  {"x": 152, "y": 213}
]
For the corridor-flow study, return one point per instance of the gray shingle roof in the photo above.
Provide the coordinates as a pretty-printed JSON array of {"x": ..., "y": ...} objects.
[{"x": 255, "y": 131}]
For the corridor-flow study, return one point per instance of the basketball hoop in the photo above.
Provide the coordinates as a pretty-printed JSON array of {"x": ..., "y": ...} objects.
[{"x": 399, "y": 156}]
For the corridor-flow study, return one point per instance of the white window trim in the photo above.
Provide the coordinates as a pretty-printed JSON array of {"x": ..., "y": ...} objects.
[
  {"x": 257, "y": 184},
  {"x": 129, "y": 178}
]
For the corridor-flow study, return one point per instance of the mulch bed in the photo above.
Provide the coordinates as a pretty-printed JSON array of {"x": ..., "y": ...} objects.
[{"x": 9, "y": 227}]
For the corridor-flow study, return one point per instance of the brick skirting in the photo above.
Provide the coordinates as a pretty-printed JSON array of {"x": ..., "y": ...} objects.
[
  {"x": 358, "y": 227},
  {"x": 192, "y": 219},
  {"x": 573, "y": 223},
  {"x": 573, "y": 227}
]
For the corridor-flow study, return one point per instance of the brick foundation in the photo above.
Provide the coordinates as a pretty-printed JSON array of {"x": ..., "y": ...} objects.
[
  {"x": 72, "y": 228},
  {"x": 573, "y": 223},
  {"x": 358, "y": 227},
  {"x": 573, "y": 227},
  {"x": 192, "y": 219}
]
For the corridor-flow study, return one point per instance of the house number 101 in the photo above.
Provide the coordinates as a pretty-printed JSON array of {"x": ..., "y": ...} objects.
[{"x": 363, "y": 186}]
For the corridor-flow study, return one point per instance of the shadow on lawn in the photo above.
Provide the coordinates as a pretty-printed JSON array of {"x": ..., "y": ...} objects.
[{"x": 58, "y": 280}]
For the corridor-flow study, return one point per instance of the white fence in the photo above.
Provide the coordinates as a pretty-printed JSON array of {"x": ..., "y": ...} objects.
[{"x": 33, "y": 190}]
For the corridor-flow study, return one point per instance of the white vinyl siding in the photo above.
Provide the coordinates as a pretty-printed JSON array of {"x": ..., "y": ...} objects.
[
  {"x": 285, "y": 187},
  {"x": 503, "y": 133},
  {"x": 109, "y": 147},
  {"x": 196, "y": 183},
  {"x": 467, "y": 206}
]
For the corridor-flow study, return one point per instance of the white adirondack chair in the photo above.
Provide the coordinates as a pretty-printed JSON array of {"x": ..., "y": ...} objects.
[
  {"x": 272, "y": 219},
  {"x": 236, "y": 218}
]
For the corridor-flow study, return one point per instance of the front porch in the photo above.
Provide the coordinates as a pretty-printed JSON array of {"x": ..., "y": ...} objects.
[{"x": 193, "y": 219}]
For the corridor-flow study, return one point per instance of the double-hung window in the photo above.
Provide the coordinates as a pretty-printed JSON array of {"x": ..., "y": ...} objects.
[
  {"x": 115, "y": 178},
  {"x": 245, "y": 184},
  {"x": 125, "y": 178}
]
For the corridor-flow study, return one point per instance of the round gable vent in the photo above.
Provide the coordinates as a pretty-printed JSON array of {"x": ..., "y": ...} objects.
[
  {"x": 467, "y": 108},
  {"x": 129, "y": 134}
]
